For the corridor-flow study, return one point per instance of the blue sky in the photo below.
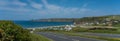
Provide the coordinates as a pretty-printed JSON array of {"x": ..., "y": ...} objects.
[{"x": 40, "y": 9}]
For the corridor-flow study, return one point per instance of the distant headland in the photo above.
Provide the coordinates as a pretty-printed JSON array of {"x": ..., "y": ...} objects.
[{"x": 93, "y": 18}]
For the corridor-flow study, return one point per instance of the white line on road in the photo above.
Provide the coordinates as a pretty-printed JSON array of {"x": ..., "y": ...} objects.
[{"x": 75, "y": 40}]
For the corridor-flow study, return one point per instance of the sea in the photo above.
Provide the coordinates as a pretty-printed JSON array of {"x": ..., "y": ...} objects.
[{"x": 33, "y": 24}]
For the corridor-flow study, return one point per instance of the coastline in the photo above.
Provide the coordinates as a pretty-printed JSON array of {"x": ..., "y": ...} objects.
[{"x": 47, "y": 27}]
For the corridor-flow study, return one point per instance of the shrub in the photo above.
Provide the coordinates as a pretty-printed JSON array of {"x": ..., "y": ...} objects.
[{"x": 12, "y": 32}]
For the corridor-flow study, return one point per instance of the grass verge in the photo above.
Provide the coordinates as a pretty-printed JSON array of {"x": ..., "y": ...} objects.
[
  {"x": 88, "y": 36},
  {"x": 36, "y": 37}
]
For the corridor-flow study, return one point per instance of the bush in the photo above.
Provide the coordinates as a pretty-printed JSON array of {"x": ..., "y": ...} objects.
[
  {"x": 95, "y": 30},
  {"x": 12, "y": 32}
]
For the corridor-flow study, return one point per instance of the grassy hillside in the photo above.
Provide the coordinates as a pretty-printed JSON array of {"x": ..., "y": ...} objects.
[
  {"x": 12, "y": 32},
  {"x": 98, "y": 18}
]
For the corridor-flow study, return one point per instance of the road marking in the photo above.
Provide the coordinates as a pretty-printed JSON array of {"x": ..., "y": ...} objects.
[{"x": 75, "y": 40}]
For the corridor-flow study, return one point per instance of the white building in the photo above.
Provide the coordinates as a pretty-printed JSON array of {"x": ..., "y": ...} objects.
[{"x": 68, "y": 28}]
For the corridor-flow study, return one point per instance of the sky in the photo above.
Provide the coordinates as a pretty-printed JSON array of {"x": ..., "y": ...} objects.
[{"x": 41, "y": 9}]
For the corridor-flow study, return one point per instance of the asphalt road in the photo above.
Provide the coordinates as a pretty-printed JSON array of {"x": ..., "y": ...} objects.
[
  {"x": 61, "y": 37},
  {"x": 103, "y": 35}
]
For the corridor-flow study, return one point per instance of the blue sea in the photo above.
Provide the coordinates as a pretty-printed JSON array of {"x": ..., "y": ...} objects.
[{"x": 32, "y": 24}]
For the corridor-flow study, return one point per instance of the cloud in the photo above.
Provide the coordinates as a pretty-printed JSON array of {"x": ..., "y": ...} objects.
[
  {"x": 16, "y": 9},
  {"x": 12, "y": 2},
  {"x": 36, "y": 5},
  {"x": 13, "y": 5},
  {"x": 46, "y": 9},
  {"x": 45, "y": 2},
  {"x": 49, "y": 8},
  {"x": 18, "y": 3}
]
